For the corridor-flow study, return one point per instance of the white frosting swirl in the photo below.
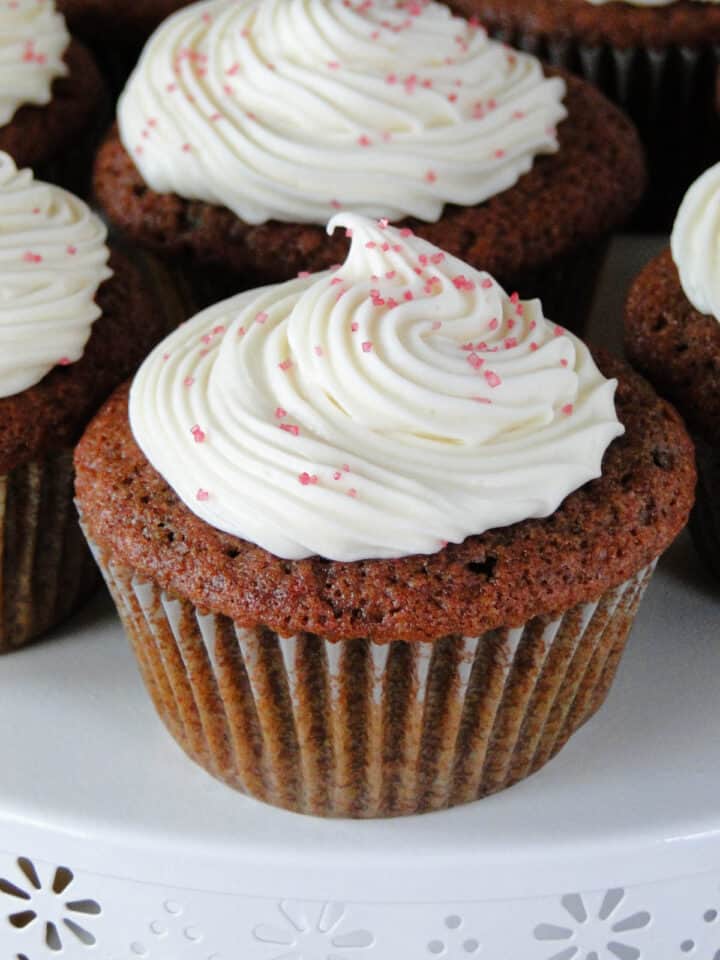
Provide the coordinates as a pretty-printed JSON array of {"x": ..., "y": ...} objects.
[
  {"x": 33, "y": 40},
  {"x": 286, "y": 109},
  {"x": 52, "y": 260},
  {"x": 378, "y": 410},
  {"x": 696, "y": 243}
]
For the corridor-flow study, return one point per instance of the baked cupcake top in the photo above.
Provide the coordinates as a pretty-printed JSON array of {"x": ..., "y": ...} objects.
[
  {"x": 696, "y": 243},
  {"x": 53, "y": 258},
  {"x": 33, "y": 41},
  {"x": 381, "y": 409},
  {"x": 285, "y": 110},
  {"x": 647, "y": 3}
]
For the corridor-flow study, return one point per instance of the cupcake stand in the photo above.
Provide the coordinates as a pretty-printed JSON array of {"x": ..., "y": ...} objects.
[{"x": 113, "y": 846}]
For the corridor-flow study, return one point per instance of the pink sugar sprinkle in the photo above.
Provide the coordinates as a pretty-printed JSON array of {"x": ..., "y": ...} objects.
[
  {"x": 333, "y": 65},
  {"x": 352, "y": 492},
  {"x": 346, "y": 468},
  {"x": 408, "y": 295},
  {"x": 481, "y": 399},
  {"x": 307, "y": 479},
  {"x": 290, "y": 428},
  {"x": 534, "y": 346},
  {"x": 354, "y": 327},
  {"x": 486, "y": 284},
  {"x": 467, "y": 347},
  {"x": 171, "y": 87},
  {"x": 280, "y": 413},
  {"x": 215, "y": 116},
  {"x": 391, "y": 303},
  {"x": 31, "y": 257},
  {"x": 218, "y": 330},
  {"x": 335, "y": 280},
  {"x": 423, "y": 259},
  {"x": 186, "y": 148},
  {"x": 337, "y": 475},
  {"x": 558, "y": 331},
  {"x": 241, "y": 331},
  {"x": 532, "y": 325},
  {"x": 348, "y": 233},
  {"x": 499, "y": 154},
  {"x": 72, "y": 250},
  {"x": 406, "y": 232},
  {"x": 518, "y": 114},
  {"x": 452, "y": 97},
  {"x": 510, "y": 343},
  {"x": 166, "y": 356},
  {"x": 318, "y": 351},
  {"x": 336, "y": 205},
  {"x": 390, "y": 274},
  {"x": 370, "y": 245},
  {"x": 364, "y": 141},
  {"x": 475, "y": 361},
  {"x": 563, "y": 362},
  {"x": 494, "y": 324},
  {"x": 285, "y": 365},
  {"x": 235, "y": 68},
  {"x": 437, "y": 258},
  {"x": 568, "y": 409},
  {"x": 436, "y": 324},
  {"x": 493, "y": 380},
  {"x": 261, "y": 317},
  {"x": 383, "y": 223},
  {"x": 64, "y": 362},
  {"x": 510, "y": 323},
  {"x": 431, "y": 176},
  {"x": 198, "y": 434},
  {"x": 188, "y": 381},
  {"x": 367, "y": 346},
  {"x": 303, "y": 274},
  {"x": 202, "y": 495},
  {"x": 385, "y": 246}
]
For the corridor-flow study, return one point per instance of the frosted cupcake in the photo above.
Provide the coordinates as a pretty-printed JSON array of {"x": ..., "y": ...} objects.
[
  {"x": 246, "y": 125},
  {"x": 76, "y": 318},
  {"x": 656, "y": 58},
  {"x": 51, "y": 93},
  {"x": 378, "y": 534},
  {"x": 672, "y": 334}
]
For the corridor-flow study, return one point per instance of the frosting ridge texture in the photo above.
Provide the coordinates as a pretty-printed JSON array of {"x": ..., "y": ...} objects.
[
  {"x": 289, "y": 109},
  {"x": 53, "y": 258},
  {"x": 696, "y": 243},
  {"x": 381, "y": 409}
]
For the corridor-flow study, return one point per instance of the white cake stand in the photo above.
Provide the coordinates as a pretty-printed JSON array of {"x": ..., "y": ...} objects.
[{"x": 114, "y": 846}]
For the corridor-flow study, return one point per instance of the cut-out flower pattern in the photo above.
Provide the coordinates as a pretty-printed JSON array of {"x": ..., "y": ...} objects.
[
  {"x": 603, "y": 937},
  {"x": 456, "y": 943},
  {"x": 313, "y": 931},
  {"x": 48, "y": 906}
]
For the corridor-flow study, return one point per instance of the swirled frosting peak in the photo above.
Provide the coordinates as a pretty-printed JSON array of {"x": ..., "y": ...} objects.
[
  {"x": 33, "y": 40},
  {"x": 696, "y": 243},
  {"x": 290, "y": 109},
  {"x": 53, "y": 258},
  {"x": 380, "y": 409}
]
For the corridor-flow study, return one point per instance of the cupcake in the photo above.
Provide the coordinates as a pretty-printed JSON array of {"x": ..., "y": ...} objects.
[
  {"x": 244, "y": 128},
  {"x": 51, "y": 93},
  {"x": 656, "y": 58},
  {"x": 378, "y": 534},
  {"x": 117, "y": 29},
  {"x": 672, "y": 334},
  {"x": 76, "y": 319}
]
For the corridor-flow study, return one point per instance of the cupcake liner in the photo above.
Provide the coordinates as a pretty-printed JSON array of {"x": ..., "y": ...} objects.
[
  {"x": 361, "y": 729},
  {"x": 705, "y": 518},
  {"x": 566, "y": 287},
  {"x": 46, "y": 570},
  {"x": 668, "y": 93}
]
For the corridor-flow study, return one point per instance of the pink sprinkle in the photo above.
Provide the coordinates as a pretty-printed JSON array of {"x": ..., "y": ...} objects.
[
  {"x": 198, "y": 434},
  {"x": 383, "y": 223},
  {"x": 333, "y": 65},
  {"x": 285, "y": 365},
  {"x": 307, "y": 479},
  {"x": 215, "y": 116},
  {"x": 431, "y": 176},
  {"x": 352, "y": 492},
  {"x": 218, "y": 330},
  {"x": 202, "y": 495},
  {"x": 390, "y": 274},
  {"x": 423, "y": 259},
  {"x": 567, "y": 409},
  {"x": 241, "y": 331},
  {"x": 532, "y": 325},
  {"x": 391, "y": 78},
  {"x": 493, "y": 380},
  {"x": 336, "y": 205},
  {"x": 364, "y": 141},
  {"x": 437, "y": 257},
  {"x": 228, "y": 89},
  {"x": 510, "y": 342},
  {"x": 290, "y": 428},
  {"x": 280, "y": 413},
  {"x": 475, "y": 361},
  {"x": 367, "y": 346},
  {"x": 354, "y": 327},
  {"x": 188, "y": 381},
  {"x": 64, "y": 362},
  {"x": 261, "y": 317},
  {"x": 318, "y": 351},
  {"x": 231, "y": 71},
  {"x": 406, "y": 232},
  {"x": 481, "y": 399},
  {"x": 186, "y": 148},
  {"x": 510, "y": 323},
  {"x": 348, "y": 233},
  {"x": 558, "y": 331},
  {"x": 335, "y": 280},
  {"x": 452, "y": 97},
  {"x": 563, "y": 362},
  {"x": 534, "y": 346},
  {"x": 337, "y": 475},
  {"x": 385, "y": 246},
  {"x": 494, "y": 324},
  {"x": 436, "y": 324},
  {"x": 166, "y": 356},
  {"x": 397, "y": 247},
  {"x": 72, "y": 250},
  {"x": 171, "y": 87},
  {"x": 408, "y": 295},
  {"x": 499, "y": 154},
  {"x": 486, "y": 284},
  {"x": 467, "y": 347},
  {"x": 370, "y": 245},
  {"x": 518, "y": 114}
]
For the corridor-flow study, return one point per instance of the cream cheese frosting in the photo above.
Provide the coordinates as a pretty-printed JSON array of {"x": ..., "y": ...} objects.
[
  {"x": 33, "y": 40},
  {"x": 380, "y": 409},
  {"x": 696, "y": 243},
  {"x": 53, "y": 258},
  {"x": 290, "y": 109}
]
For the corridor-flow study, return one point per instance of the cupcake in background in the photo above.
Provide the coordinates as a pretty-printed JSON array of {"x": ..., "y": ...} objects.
[
  {"x": 656, "y": 58},
  {"x": 378, "y": 534},
  {"x": 244, "y": 127},
  {"x": 52, "y": 96},
  {"x": 76, "y": 318},
  {"x": 672, "y": 335}
]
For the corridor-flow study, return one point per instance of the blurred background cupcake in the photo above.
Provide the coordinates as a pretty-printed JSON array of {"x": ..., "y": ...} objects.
[
  {"x": 245, "y": 126},
  {"x": 656, "y": 58},
  {"x": 378, "y": 534},
  {"x": 672, "y": 334},
  {"x": 117, "y": 29},
  {"x": 76, "y": 319},
  {"x": 52, "y": 97}
]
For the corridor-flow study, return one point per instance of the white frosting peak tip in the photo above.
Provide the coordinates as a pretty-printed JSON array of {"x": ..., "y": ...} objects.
[
  {"x": 53, "y": 258},
  {"x": 373, "y": 411},
  {"x": 695, "y": 243}
]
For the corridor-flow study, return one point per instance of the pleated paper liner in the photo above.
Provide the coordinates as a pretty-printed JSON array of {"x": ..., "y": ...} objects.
[
  {"x": 705, "y": 518},
  {"x": 668, "y": 93},
  {"x": 360, "y": 729},
  {"x": 46, "y": 569}
]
